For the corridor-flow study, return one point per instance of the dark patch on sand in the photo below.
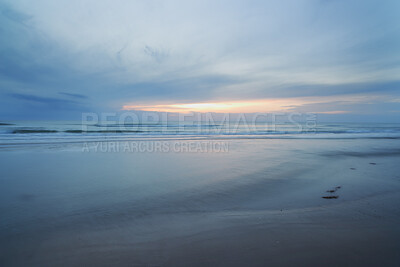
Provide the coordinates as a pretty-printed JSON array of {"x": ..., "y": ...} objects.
[
  {"x": 332, "y": 191},
  {"x": 26, "y": 197},
  {"x": 353, "y": 169},
  {"x": 359, "y": 154},
  {"x": 330, "y": 197}
]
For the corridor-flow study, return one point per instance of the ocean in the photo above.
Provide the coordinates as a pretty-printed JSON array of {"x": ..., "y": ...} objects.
[{"x": 47, "y": 132}]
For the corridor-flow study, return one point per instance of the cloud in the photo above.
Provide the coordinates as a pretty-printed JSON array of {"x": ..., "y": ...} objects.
[
  {"x": 14, "y": 15},
  {"x": 362, "y": 88},
  {"x": 74, "y": 95},
  {"x": 157, "y": 54},
  {"x": 42, "y": 100},
  {"x": 42, "y": 107},
  {"x": 116, "y": 52},
  {"x": 48, "y": 104}
]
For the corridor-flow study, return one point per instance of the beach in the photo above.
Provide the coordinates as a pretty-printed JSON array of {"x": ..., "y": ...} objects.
[
  {"x": 259, "y": 202},
  {"x": 199, "y": 133}
]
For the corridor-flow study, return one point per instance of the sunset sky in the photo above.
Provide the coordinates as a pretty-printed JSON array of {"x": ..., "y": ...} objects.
[{"x": 340, "y": 59}]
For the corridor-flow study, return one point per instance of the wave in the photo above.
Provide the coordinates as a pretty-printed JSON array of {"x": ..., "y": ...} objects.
[
  {"x": 59, "y": 132},
  {"x": 156, "y": 125},
  {"x": 23, "y": 131},
  {"x": 183, "y": 130}
]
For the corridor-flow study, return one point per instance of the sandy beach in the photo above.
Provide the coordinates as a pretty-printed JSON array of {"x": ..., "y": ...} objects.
[
  {"x": 199, "y": 133},
  {"x": 258, "y": 204}
]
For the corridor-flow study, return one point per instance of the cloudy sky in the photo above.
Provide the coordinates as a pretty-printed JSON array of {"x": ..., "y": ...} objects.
[{"x": 340, "y": 59}]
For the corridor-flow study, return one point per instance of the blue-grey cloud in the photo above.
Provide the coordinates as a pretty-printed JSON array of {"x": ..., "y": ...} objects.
[
  {"x": 89, "y": 58},
  {"x": 304, "y": 90},
  {"x": 80, "y": 96},
  {"x": 41, "y": 107},
  {"x": 43, "y": 100},
  {"x": 157, "y": 54}
]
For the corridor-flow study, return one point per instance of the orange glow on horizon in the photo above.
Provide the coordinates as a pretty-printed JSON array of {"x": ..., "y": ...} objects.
[
  {"x": 224, "y": 107},
  {"x": 253, "y": 106}
]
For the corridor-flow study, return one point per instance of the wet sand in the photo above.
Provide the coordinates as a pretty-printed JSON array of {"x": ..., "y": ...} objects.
[{"x": 260, "y": 204}]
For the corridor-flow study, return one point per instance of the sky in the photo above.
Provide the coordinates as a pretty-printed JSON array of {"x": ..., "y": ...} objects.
[{"x": 339, "y": 59}]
